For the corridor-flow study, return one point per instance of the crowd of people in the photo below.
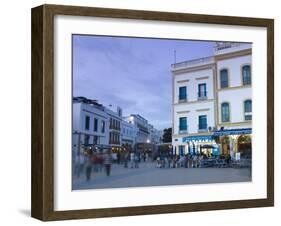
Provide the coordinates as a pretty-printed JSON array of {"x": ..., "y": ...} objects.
[
  {"x": 90, "y": 161},
  {"x": 188, "y": 160}
]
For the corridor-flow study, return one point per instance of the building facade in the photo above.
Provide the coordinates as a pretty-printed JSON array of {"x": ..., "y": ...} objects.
[
  {"x": 115, "y": 120},
  {"x": 129, "y": 133},
  {"x": 90, "y": 124},
  {"x": 142, "y": 126},
  {"x": 212, "y": 102}
]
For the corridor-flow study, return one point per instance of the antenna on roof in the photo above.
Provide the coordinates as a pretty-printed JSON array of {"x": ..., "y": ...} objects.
[{"x": 175, "y": 56}]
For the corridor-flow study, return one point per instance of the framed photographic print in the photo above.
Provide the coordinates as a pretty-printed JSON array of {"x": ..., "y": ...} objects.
[{"x": 141, "y": 112}]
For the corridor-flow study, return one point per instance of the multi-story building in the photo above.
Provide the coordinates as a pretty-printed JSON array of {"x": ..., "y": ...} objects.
[
  {"x": 212, "y": 101},
  {"x": 90, "y": 124},
  {"x": 155, "y": 136},
  {"x": 115, "y": 119},
  {"x": 129, "y": 133},
  {"x": 142, "y": 125}
]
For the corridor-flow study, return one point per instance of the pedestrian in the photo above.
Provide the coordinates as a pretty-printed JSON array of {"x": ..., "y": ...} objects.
[
  {"x": 88, "y": 165},
  {"x": 132, "y": 159},
  {"x": 79, "y": 162},
  {"x": 126, "y": 159},
  {"x": 136, "y": 159},
  {"x": 95, "y": 161},
  {"x": 107, "y": 162}
]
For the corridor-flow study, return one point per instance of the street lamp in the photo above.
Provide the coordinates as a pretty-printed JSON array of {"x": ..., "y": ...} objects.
[{"x": 147, "y": 141}]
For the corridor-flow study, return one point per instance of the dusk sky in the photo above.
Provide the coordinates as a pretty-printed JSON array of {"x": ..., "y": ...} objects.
[{"x": 133, "y": 73}]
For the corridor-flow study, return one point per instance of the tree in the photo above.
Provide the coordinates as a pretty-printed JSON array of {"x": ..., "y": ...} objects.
[{"x": 167, "y": 135}]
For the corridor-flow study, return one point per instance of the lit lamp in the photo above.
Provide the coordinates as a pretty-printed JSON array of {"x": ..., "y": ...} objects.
[{"x": 147, "y": 141}]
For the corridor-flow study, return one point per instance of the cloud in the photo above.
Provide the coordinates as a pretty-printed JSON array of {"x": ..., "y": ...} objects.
[{"x": 133, "y": 73}]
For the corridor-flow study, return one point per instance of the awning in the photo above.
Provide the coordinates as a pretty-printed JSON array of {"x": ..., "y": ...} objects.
[
  {"x": 233, "y": 132},
  {"x": 196, "y": 138}
]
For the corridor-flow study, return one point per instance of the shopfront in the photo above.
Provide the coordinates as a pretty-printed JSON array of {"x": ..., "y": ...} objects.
[
  {"x": 234, "y": 141},
  {"x": 200, "y": 145}
]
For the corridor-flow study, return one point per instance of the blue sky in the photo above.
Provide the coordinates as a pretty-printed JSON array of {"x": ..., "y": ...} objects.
[{"x": 133, "y": 73}]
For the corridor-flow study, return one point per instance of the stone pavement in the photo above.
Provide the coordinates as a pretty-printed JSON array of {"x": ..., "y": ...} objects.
[{"x": 148, "y": 175}]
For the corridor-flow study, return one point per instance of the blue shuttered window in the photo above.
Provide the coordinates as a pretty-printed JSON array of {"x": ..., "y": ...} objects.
[
  {"x": 225, "y": 112},
  {"x": 224, "y": 78},
  {"x": 182, "y": 93},
  {"x": 248, "y": 109},
  {"x": 183, "y": 124},
  {"x": 203, "y": 122},
  {"x": 246, "y": 75}
]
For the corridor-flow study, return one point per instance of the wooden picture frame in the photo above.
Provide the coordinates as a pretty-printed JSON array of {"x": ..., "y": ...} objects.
[{"x": 43, "y": 112}]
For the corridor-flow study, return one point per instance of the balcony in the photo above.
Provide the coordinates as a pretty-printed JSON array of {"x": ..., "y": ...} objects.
[
  {"x": 202, "y": 128},
  {"x": 202, "y": 96},
  {"x": 182, "y": 98},
  {"x": 183, "y": 129}
]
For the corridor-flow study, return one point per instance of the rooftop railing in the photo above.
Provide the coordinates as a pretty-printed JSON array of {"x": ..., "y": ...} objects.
[{"x": 192, "y": 63}]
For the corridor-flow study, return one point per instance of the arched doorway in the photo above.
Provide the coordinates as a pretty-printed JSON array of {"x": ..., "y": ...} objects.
[
  {"x": 244, "y": 144},
  {"x": 225, "y": 145}
]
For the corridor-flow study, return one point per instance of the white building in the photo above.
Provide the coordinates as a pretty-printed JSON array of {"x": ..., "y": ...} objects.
[
  {"x": 155, "y": 136},
  {"x": 142, "y": 125},
  {"x": 90, "y": 124},
  {"x": 129, "y": 133},
  {"x": 212, "y": 101}
]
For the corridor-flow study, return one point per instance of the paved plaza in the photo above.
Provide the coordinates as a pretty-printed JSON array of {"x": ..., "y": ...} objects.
[{"x": 148, "y": 175}]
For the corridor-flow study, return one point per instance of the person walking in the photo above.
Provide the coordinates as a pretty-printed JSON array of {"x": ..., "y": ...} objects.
[
  {"x": 132, "y": 159},
  {"x": 126, "y": 159},
  {"x": 88, "y": 165},
  {"x": 136, "y": 159},
  {"x": 107, "y": 162}
]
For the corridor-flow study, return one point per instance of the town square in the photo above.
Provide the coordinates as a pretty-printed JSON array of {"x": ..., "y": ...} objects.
[{"x": 183, "y": 123}]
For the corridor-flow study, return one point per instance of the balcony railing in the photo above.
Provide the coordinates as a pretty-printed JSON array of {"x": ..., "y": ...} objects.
[
  {"x": 182, "y": 98},
  {"x": 183, "y": 129},
  {"x": 202, "y": 128},
  {"x": 192, "y": 63},
  {"x": 202, "y": 96}
]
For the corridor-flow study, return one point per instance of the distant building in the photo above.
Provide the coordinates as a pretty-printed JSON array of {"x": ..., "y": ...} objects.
[
  {"x": 129, "y": 133},
  {"x": 142, "y": 125},
  {"x": 90, "y": 124},
  {"x": 155, "y": 136},
  {"x": 212, "y": 101},
  {"x": 115, "y": 120}
]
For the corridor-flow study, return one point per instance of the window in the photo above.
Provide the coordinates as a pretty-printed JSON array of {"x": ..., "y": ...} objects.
[
  {"x": 248, "y": 109},
  {"x": 246, "y": 75},
  {"x": 87, "y": 122},
  {"x": 182, "y": 93},
  {"x": 224, "y": 78},
  {"x": 183, "y": 125},
  {"x": 95, "y": 124},
  {"x": 202, "y": 91},
  {"x": 225, "y": 113},
  {"x": 95, "y": 139},
  {"x": 203, "y": 122},
  {"x": 86, "y": 139},
  {"x": 102, "y": 126}
]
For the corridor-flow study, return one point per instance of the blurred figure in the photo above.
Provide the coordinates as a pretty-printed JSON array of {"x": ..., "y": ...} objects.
[
  {"x": 126, "y": 159},
  {"x": 136, "y": 159},
  {"x": 132, "y": 159},
  {"x": 107, "y": 162},
  {"x": 79, "y": 162},
  {"x": 88, "y": 165}
]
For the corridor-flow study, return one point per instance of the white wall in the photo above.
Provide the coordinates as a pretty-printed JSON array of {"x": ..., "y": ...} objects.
[
  {"x": 191, "y": 112},
  {"x": 235, "y": 98},
  {"x": 192, "y": 84},
  {"x": 15, "y": 84},
  {"x": 234, "y": 69}
]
